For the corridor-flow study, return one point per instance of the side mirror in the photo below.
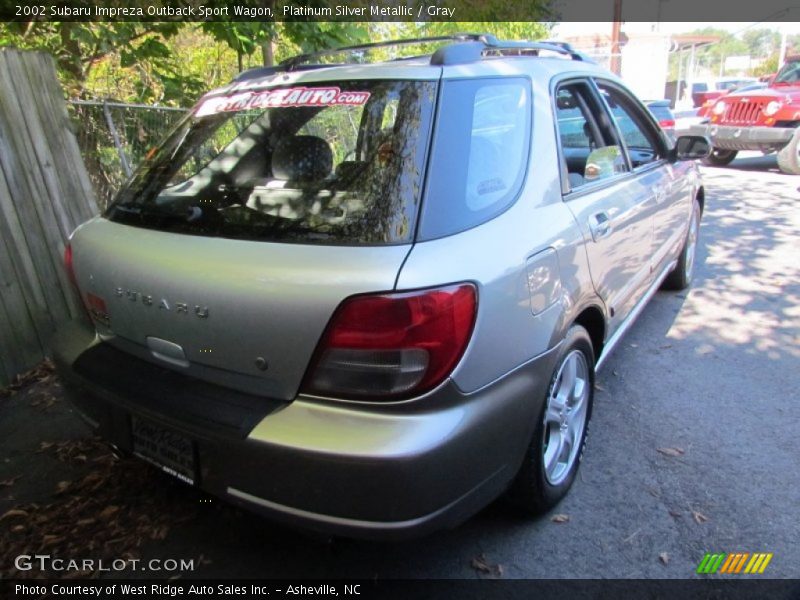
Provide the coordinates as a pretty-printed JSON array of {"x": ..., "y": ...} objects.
[{"x": 691, "y": 147}]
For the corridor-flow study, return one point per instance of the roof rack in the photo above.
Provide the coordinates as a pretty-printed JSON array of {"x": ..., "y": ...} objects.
[
  {"x": 488, "y": 45},
  {"x": 291, "y": 63},
  {"x": 466, "y": 48}
]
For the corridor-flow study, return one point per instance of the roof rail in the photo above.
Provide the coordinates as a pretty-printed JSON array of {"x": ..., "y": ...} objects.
[
  {"x": 466, "y": 48},
  {"x": 290, "y": 63},
  {"x": 468, "y": 52}
]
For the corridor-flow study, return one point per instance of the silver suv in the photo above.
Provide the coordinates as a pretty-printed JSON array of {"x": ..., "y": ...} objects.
[{"x": 370, "y": 297}]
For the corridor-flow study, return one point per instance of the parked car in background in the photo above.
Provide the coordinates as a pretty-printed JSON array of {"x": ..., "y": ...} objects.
[
  {"x": 765, "y": 119},
  {"x": 370, "y": 298},
  {"x": 663, "y": 113}
]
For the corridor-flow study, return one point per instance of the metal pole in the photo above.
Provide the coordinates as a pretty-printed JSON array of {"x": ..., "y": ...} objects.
[
  {"x": 782, "y": 55},
  {"x": 616, "y": 66},
  {"x": 115, "y": 136},
  {"x": 680, "y": 78},
  {"x": 690, "y": 71}
]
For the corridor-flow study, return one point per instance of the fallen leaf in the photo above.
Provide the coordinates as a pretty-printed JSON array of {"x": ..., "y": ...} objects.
[
  {"x": 481, "y": 563},
  {"x": 671, "y": 451},
  {"x": 62, "y": 486},
  {"x": 560, "y": 518},
  {"x": 664, "y": 558},
  {"x": 631, "y": 536},
  {"x": 675, "y": 513},
  {"x": 9, "y": 482},
  {"x": 51, "y": 540},
  {"x": 45, "y": 445},
  {"x": 14, "y": 512},
  {"x": 599, "y": 387},
  {"x": 699, "y": 517},
  {"x": 665, "y": 347},
  {"x": 109, "y": 511},
  {"x": 18, "y": 528}
]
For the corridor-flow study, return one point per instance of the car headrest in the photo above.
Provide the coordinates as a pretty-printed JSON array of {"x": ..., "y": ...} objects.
[{"x": 302, "y": 158}]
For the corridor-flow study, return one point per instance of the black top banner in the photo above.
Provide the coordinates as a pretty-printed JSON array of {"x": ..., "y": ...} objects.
[{"x": 402, "y": 10}]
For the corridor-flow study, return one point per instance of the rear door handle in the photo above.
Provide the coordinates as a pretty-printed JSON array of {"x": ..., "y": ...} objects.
[{"x": 600, "y": 225}]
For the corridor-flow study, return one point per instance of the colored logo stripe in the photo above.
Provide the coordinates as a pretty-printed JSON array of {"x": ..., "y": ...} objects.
[
  {"x": 734, "y": 563},
  {"x": 710, "y": 563},
  {"x": 758, "y": 563}
]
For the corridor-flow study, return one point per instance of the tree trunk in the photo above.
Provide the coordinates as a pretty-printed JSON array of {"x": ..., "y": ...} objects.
[{"x": 268, "y": 52}]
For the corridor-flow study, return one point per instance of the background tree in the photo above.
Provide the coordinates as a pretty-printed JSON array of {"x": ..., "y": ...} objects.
[{"x": 173, "y": 63}]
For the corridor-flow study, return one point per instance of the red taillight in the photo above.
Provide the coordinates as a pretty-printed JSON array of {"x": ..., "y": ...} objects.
[
  {"x": 667, "y": 123},
  {"x": 392, "y": 346},
  {"x": 92, "y": 304},
  {"x": 68, "y": 265}
]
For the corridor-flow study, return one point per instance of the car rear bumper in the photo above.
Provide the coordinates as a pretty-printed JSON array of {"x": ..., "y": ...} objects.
[
  {"x": 744, "y": 137},
  {"x": 379, "y": 472}
]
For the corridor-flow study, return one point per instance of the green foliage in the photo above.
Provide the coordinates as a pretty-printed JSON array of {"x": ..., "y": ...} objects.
[
  {"x": 759, "y": 44},
  {"x": 172, "y": 63},
  {"x": 768, "y": 67}
]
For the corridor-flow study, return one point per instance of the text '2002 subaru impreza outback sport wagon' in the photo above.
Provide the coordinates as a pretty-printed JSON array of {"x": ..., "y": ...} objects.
[{"x": 370, "y": 298}]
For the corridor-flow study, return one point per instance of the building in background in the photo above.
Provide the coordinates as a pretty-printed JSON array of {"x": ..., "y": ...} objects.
[{"x": 644, "y": 56}]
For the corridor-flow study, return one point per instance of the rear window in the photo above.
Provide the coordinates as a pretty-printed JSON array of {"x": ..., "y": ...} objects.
[
  {"x": 479, "y": 153},
  {"x": 338, "y": 163}
]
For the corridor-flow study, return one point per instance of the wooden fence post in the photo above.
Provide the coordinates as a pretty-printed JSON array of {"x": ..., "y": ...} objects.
[{"x": 44, "y": 194}]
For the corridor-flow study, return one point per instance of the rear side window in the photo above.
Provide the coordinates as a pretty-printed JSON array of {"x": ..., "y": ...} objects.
[
  {"x": 643, "y": 141},
  {"x": 479, "y": 154},
  {"x": 335, "y": 163}
]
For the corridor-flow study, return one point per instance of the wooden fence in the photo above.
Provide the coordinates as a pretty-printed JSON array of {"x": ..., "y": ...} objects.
[{"x": 44, "y": 194}]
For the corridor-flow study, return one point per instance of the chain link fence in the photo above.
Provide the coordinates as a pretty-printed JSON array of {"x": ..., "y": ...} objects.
[{"x": 114, "y": 138}]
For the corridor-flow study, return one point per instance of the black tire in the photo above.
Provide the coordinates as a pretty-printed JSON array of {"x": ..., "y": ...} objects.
[
  {"x": 532, "y": 490},
  {"x": 720, "y": 157},
  {"x": 789, "y": 156},
  {"x": 681, "y": 276}
]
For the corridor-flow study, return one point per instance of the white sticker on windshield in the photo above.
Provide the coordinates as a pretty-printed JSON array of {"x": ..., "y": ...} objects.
[{"x": 297, "y": 96}]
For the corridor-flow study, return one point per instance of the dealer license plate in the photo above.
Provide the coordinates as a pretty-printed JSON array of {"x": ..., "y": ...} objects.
[{"x": 167, "y": 449}]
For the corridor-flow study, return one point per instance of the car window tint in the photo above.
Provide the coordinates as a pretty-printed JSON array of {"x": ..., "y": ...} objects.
[
  {"x": 589, "y": 151},
  {"x": 641, "y": 139},
  {"x": 340, "y": 163},
  {"x": 479, "y": 154}
]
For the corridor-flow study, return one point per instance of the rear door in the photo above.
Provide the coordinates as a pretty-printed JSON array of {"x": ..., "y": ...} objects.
[
  {"x": 609, "y": 205},
  {"x": 667, "y": 190}
]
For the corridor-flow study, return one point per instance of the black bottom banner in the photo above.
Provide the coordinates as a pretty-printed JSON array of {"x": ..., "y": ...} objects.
[{"x": 706, "y": 589}]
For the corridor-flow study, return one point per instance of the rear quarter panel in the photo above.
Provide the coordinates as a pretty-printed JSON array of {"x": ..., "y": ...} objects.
[{"x": 494, "y": 256}]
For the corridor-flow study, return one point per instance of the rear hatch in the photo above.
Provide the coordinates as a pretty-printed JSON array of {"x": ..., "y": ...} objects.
[{"x": 229, "y": 250}]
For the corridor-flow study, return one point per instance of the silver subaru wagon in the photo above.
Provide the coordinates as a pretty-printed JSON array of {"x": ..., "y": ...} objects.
[{"x": 370, "y": 297}]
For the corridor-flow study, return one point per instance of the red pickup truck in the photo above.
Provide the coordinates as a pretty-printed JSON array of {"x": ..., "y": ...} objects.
[{"x": 767, "y": 120}]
